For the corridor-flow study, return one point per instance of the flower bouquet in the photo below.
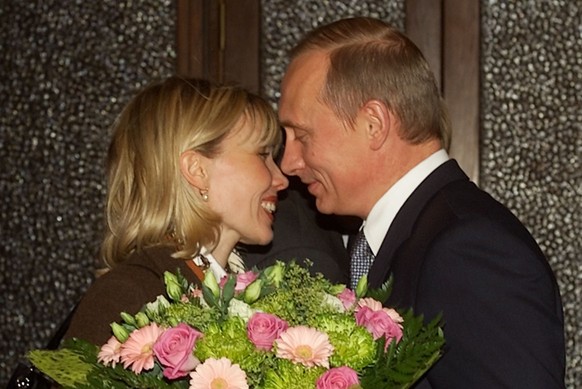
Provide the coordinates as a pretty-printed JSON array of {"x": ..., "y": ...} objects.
[{"x": 278, "y": 328}]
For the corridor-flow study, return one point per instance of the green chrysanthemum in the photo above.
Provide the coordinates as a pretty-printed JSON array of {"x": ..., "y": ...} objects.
[
  {"x": 229, "y": 339},
  {"x": 287, "y": 375},
  {"x": 353, "y": 345}
]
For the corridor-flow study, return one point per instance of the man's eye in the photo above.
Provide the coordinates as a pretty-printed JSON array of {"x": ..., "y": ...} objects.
[{"x": 301, "y": 137}]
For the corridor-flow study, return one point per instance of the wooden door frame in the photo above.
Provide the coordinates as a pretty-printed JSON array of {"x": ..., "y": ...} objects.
[
  {"x": 448, "y": 33},
  {"x": 219, "y": 40}
]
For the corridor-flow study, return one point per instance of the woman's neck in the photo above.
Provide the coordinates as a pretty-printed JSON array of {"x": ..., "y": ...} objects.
[{"x": 223, "y": 249}]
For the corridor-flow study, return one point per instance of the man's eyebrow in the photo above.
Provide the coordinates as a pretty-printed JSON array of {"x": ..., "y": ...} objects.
[
  {"x": 292, "y": 125},
  {"x": 287, "y": 124}
]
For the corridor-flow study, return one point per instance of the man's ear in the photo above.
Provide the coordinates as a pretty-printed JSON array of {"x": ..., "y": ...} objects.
[
  {"x": 192, "y": 167},
  {"x": 378, "y": 121}
]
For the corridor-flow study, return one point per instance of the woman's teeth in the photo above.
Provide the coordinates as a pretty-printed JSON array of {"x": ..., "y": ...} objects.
[{"x": 269, "y": 206}]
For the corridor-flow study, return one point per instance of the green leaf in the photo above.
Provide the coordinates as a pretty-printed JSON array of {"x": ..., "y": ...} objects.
[
  {"x": 209, "y": 297},
  {"x": 382, "y": 293},
  {"x": 68, "y": 367},
  {"x": 408, "y": 360},
  {"x": 228, "y": 290}
]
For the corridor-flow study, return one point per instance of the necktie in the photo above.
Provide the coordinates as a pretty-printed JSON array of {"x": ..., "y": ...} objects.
[{"x": 361, "y": 258}]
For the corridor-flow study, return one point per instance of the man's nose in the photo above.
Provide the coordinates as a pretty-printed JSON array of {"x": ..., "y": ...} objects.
[{"x": 292, "y": 160}]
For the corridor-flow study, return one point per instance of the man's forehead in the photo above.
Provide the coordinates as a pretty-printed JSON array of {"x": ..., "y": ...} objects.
[{"x": 311, "y": 66}]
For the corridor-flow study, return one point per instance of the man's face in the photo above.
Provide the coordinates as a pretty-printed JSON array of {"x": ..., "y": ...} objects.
[{"x": 319, "y": 149}]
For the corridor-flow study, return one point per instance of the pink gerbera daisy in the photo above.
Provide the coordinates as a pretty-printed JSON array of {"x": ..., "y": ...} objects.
[
  {"x": 137, "y": 351},
  {"x": 305, "y": 345},
  {"x": 110, "y": 353},
  {"x": 218, "y": 374}
]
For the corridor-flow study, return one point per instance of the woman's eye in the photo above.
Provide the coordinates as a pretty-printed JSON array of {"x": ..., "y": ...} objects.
[{"x": 264, "y": 155}]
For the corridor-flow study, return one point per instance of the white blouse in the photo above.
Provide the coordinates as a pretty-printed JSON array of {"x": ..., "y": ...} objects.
[{"x": 235, "y": 263}]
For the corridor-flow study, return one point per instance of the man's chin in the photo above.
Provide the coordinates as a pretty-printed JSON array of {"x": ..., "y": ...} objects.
[{"x": 323, "y": 206}]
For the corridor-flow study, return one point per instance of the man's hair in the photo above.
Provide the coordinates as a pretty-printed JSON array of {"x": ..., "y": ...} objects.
[
  {"x": 149, "y": 202},
  {"x": 369, "y": 59}
]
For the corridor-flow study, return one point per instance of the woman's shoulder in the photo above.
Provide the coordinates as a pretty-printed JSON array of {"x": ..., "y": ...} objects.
[
  {"x": 153, "y": 262},
  {"x": 125, "y": 288}
]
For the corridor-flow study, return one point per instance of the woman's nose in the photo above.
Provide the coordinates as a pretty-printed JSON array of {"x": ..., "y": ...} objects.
[{"x": 279, "y": 181}]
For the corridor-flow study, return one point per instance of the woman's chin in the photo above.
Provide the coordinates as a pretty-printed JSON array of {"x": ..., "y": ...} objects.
[{"x": 261, "y": 240}]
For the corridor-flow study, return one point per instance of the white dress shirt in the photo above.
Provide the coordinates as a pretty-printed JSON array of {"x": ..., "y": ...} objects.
[{"x": 384, "y": 211}]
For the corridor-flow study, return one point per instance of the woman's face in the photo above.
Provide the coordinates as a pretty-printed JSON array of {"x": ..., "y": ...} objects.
[{"x": 243, "y": 181}]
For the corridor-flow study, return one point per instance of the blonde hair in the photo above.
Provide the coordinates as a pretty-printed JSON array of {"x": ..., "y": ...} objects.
[
  {"x": 371, "y": 60},
  {"x": 149, "y": 202}
]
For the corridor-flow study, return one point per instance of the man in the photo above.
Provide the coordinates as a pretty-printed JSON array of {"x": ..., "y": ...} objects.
[{"x": 367, "y": 132}]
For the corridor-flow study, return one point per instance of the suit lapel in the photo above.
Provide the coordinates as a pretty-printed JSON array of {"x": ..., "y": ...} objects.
[{"x": 403, "y": 224}]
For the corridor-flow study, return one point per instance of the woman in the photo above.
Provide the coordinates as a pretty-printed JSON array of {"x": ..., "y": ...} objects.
[{"x": 190, "y": 174}]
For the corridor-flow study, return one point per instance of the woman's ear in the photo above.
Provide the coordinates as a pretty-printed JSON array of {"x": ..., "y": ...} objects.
[{"x": 192, "y": 167}]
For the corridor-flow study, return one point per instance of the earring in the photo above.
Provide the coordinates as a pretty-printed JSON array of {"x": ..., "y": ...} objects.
[{"x": 204, "y": 194}]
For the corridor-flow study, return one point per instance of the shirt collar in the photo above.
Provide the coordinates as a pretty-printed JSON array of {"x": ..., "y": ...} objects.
[
  {"x": 235, "y": 263},
  {"x": 213, "y": 265},
  {"x": 384, "y": 211}
]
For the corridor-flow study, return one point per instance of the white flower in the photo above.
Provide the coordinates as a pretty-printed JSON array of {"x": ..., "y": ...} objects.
[
  {"x": 155, "y": 306},
  {"x": 333, "y": 302},
  {"x": 241, "y": 309}
]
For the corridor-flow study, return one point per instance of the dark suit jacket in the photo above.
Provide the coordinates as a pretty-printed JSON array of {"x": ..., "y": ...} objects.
[
  {"x": 301, "y": 232},
  {"x": 453, "y": 249}
]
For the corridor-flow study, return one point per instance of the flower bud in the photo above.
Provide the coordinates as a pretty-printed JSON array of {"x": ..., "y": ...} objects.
[
  {"x": 120, "y": 332},
  {"x": 126, "y": 317},
  {"x": 170, "y": 277},
  {"x": 253, "y": 291},
  {"x": 210, "y": 283},
  {"x": 153, "y": 309},
  {"x": 173, "y": 287},
  {"x": 141, "y": 320},
  {"x": 362, "y": 287},
  {"x": 274, "y": 274}
]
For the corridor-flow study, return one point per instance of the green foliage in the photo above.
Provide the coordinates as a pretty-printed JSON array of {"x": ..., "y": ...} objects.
[
  {"x": 299, "y": 298},
  {"x": 53, "y": 363},
  {"x": 195, "y": 315},
  {"x": 75, "y": 366},
  {"x": 381, "y": 294},
  {"x": 406, "y": 361}
]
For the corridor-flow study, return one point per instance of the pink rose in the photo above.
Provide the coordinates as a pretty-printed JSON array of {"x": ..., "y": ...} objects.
[
  {"x": 263, "y": 329},
  {"x": 348, "y": 298},
  {"x": 243, "y": 280},
  {"x": 175, "y": 350},
  {"x": 338, "y": 378},
  {"x": 379, "y": 323}
]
